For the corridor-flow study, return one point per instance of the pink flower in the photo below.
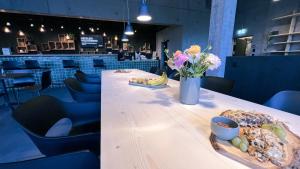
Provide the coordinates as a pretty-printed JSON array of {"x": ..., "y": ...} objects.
[{"x": 180, "y": 59}]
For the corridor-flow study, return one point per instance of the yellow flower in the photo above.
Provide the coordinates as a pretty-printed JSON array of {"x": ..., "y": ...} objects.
[{"x": 194, "y": 49}]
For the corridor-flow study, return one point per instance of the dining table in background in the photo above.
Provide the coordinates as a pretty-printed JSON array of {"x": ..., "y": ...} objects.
[{"x": 144, "y": 128}]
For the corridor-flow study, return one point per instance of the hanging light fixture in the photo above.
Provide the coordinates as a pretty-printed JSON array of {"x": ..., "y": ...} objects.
[
  {"x": 128, "y": 30},
  {"x": 104, "y": 34},
  {"x": 144, "y": 15},
  {"x": 8, "y": 24},
  {"x": 31, "y": 25},
  {"x": 124, "y": 38},
  {"x": 82, "y": 33}
]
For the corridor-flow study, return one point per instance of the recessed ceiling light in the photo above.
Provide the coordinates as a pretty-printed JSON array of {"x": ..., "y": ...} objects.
[
  {"x": 276, "y": 0},
  {"x": 7, "y": 23},
  {"x": 21, "y": 33},
  {"x": 104, "y": 34},
  {"x": 42, "y": 26},
  {"x": 116, "y": 38},
  {"x": 32, "y": 25},
  {"x": 79, "y": 28},
  {"x": 6, "y": 29},
  {"x": 82, "y": 33},
  {"x": 62, "y": 27},
  {"x": 42, "y": 29},
  {"x": 98, "y": 29}
]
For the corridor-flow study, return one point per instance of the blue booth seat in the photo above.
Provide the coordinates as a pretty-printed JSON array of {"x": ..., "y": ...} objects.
[
  {"x": 78, "y": 160},
  {"x": 217, "y": 84},
  {"x": 287, "y": 101},
  {"x": 41, "y": 118},
  {"x": 83, "y": 92},
  {"x": 87, "y": 78}
]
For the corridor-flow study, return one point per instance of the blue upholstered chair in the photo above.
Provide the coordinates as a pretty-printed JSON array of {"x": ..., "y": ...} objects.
[
  {"x": 286, "y": 101},
  {"x": 41, "y": 119},
  {"x": 217, "y": 84},
  {"x": 78, "y": 160},
  {"x": 87, "y": 78},
  {"x": 83, "y": 92}
]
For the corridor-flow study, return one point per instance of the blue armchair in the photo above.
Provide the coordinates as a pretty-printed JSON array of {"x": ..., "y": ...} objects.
[
  {"x": 78, "y": 160},
  {"x": 286, "y": 101},
  {"x": 83, "y": 92},
  {"x": 38, "y": 115}
]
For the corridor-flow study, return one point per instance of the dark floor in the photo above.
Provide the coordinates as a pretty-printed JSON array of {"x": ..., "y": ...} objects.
[{"x": 15, "y": 145}]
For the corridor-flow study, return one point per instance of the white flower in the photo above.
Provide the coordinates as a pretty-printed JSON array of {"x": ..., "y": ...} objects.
[{"x": 213, "y": 61}]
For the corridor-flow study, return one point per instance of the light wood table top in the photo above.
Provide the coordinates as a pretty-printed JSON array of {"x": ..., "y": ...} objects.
[{"x": 144, "y": 128}]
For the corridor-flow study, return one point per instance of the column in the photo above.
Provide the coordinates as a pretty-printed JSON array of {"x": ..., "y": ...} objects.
[{"x": 221, "y": 27}]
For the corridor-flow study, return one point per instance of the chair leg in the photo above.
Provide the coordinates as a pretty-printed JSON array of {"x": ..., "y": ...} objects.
[{"x": 18, "y": 97}]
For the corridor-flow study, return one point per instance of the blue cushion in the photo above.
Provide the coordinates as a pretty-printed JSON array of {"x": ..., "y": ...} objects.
[{"x": 61, "y": 128}]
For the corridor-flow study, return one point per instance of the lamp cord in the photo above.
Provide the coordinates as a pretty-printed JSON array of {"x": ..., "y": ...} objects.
[{"x": 127, "y": 11}]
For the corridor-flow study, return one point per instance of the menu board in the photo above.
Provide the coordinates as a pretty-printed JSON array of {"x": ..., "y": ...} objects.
[{"x": 91, "y": 41}]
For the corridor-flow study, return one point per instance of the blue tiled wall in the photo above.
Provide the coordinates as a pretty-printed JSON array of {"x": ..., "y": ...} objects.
[{"x": 85, "y": 62}]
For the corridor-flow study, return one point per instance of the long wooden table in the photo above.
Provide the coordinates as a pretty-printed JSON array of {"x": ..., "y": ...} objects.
[{"x": 144, "y": 128}]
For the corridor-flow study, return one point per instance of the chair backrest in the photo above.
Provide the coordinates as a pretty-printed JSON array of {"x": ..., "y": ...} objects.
[
  {"x": 39, "y": 114},
  {"x": 69, "y": 64},
  {"x": 98, "y": 63},
  {"x": 32, "y": 64},
  {"x": 286, "y": 101},
  {"x": 46, "y": 79},
  {"x": 153, "y": 69},
  {"x": 80, "y": 76},
  {"x": 73, "y": 85},
  {"x": 217, "y": 84},
  {"x": 10, "y": 65}
]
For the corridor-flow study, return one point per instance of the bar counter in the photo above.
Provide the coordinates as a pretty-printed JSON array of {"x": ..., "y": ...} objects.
[{"x": 84, "y": 61}]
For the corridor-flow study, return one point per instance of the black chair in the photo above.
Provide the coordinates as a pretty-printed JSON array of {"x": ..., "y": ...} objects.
[
  {"x": 287, "y": 101},
  {"x": 174, "y": 75},
  {"x": 87, "y": 78},
  {"x": 22, "y": 82},
  {"x": 32, "y": 64},
  {"x": 69, "y": 64},
  {"x": 78, "y": 160},
  {"x": 83, "y": 92},
  {"x": 10, "y": 65},
  {"x": 99, "y": 63},
  {"x": 217, "y": 84},
  {"x": 46, "y": 81},
  {"x": 39, "y": 114}
]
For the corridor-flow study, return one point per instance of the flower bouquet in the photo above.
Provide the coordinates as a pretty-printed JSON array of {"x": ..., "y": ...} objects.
[{"x": 191, "y": 65}]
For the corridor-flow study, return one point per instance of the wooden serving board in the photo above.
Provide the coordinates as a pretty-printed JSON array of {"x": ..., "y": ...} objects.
[
  {"x": 227, "y": 149},
  {"x": 148, "y": 86}
]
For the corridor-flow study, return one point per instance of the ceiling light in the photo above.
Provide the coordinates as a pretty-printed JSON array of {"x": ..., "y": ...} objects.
[
  {"x": 124, "y": 38},
  {"x": 79, "y": 28},
  {"x": 6, "y": 29},
  {"x": 144, "y": 15},
  {"x": 51, "y": 29},
  {"x": 98, "y": 29},
  {"x": 116, "y": 38},
  {"x": 67, "y": 37},
  {"x": 42, "y": 29},
  {"x": 276, "y": 0},
  {"x": 128, "y": 29},
  {"x": 62, "y": 27},
  {"x": 92, "y": 30},
  {"x": 21, "y": 33},
  {"x": 241, "y": 32},
  {"x": 82, "y": 33},
  {"x": 8, "y": 24},
  {"x": 31, "y": 25},
  {"x": 42, "y": 26},
  {"x": 104, "y": 34}
]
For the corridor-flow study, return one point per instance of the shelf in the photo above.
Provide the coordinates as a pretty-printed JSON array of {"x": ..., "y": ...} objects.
[
  {"x": 292, "y": 51},
  {"x": 282, "y": 43},
  {"x": 285, "y": 34},
  {"x": 286, "y": 16}
]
